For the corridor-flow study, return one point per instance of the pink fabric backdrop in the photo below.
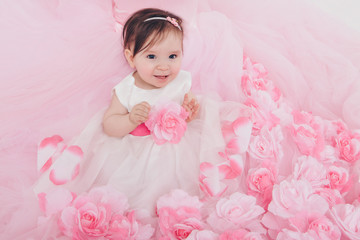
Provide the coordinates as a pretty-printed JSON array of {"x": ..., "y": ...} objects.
[{"x": 59, "y": 60}]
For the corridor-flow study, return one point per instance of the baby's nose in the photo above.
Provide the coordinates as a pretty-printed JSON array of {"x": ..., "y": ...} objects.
[{"x": 163, "y": 66}]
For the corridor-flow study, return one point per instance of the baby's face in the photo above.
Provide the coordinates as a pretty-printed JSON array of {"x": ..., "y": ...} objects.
[{"x": 159, "y": 64}]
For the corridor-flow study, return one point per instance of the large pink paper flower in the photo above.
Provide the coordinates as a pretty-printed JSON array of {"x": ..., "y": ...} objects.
[
  {"x": 99, "y": 214},
  {"x": 316, "y": 225},
  {"x": 292, "y": 197},
  {"x": 323, "y": 228},
  {"x": 167, "y": 123},
  {"x": 127, "y": 226},
  {"x": 310, "y": 169},
  {"x": 179, "y": 215},
  {"x": 347, "y": 217},
  {"x": 237, "y": 211}
]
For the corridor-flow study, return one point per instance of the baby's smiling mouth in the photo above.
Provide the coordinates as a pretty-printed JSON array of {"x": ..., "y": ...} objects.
[{"x": 162, "y": 77}]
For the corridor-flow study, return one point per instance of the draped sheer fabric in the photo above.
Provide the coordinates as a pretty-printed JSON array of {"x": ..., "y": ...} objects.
[{"x": 60, "y": 59}]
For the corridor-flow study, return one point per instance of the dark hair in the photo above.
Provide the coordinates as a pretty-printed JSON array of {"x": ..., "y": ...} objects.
[{"x": 136, "y": 31}]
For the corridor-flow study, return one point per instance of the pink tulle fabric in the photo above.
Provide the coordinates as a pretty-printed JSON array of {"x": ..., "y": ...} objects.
[{"x": 60, "y": 60}]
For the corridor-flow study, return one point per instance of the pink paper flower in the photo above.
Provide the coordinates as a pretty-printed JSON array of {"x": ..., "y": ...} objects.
[
  {"x": 347, "y": 217},
  {"x": 292, "y": 197},
  {"x": 333, "y": 128},
  {"x": 287, "y": 234},
  {"x": 262, "y": 111},
  {"x": 254, "y": 236},
  {"x": 202, "y": 235},
  {"x": 338, "y": 178},
  {"x": 237, "y": 211},
  {"x": 307, "y": 133},
  {"x": 323, "y": 228},
  {"x": 260, "y": 183},
  {"x": 128, "y": 227},
  {"x": 240, "y": 234},
  {"x": 315, "y": 225},
  {"x": 274, "y": 224},
  {"x": 99, "y": 214},
  {"x": 179, "y": 215},
  {"x": 255, "y": 79},
  {"x": 332, "y": 196},
  {"x": 183, "y": 229},
  {"x": 167, "y": 123},
  {"x": 266, "y": 145},
  {"x": 310, "y": 169},
  {"x": 233, "y": 235},
  {"x": 348, "y": 144},
  {"x": 328, "y": 156},
  {"x": 260, "y": 179}
]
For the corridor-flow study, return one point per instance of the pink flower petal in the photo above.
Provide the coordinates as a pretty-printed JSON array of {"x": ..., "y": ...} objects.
[
  {"x": 46, "y": 149},
  {"x": 66, "y": 166}
]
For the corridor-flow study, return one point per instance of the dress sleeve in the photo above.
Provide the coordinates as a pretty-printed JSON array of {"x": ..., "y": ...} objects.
[{"x": 122, "y": 91}]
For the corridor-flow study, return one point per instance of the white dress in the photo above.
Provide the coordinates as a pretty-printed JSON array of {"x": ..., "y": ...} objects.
[{"x": 136, "y": 165}]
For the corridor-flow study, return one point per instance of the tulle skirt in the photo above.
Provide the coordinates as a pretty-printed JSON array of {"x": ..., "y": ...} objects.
[{"x": 142, "y": 169}]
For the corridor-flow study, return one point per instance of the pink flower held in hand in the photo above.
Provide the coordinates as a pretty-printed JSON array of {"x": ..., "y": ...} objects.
[{"x": 167, "y": 123}]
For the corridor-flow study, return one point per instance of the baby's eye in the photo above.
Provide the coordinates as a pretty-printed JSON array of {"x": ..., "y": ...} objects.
[
  {"x": 172, "y": 56},
  {"x": 151, "y": 56}
]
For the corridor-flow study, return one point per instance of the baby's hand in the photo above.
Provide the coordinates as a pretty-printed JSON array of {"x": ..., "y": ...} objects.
[
  {"x": 191, "y": 106},
  {"x": 140, "y": 113}
]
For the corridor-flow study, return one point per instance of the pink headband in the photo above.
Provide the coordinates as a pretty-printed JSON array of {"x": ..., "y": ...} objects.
[{"x": 173, "y": 21}]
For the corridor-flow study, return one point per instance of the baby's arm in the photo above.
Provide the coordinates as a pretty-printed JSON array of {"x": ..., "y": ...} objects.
[
  {"x": 191, "y": 105},
  {"x": 118, "y": 122}
]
